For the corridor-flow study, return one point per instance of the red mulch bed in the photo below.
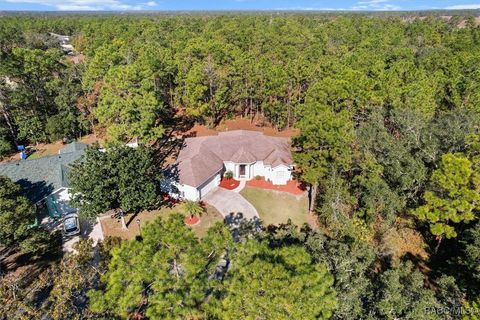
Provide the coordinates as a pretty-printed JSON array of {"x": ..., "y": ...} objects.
[
  {"x": 292, "y": 186},
  {"x": 229, "y": 184},
  {"x": 169, "y": 199},
  {"x": 191, "y": 220}
]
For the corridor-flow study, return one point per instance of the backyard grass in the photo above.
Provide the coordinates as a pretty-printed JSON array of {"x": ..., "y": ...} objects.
[
  {"x": 46, "y": 149},
  {"x": 37, "y": 155},
  {"x": 277, "y": 207},
  {"x": 50, "y": 149},
  {"x": 113, "y": 227}
]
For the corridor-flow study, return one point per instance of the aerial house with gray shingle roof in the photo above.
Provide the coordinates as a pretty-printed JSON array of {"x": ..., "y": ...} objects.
[
  {"x": 202, "y": 162},
  {"x": 45, "y": 179}
]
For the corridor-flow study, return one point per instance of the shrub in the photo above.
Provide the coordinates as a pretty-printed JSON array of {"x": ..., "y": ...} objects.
[
  {"x": 5, "y": 144},
  {"x": 228, "y": 174},
  {"x": 257, "y": 177},
  {"x": 5, "y": 147}
]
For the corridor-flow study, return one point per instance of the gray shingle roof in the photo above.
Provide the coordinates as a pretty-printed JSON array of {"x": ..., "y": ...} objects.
[
  {"x": 72, "y": 147},
  {"x": 40, "y": 177}
]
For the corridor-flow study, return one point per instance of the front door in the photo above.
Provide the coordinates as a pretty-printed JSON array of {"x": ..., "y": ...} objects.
[{"x": 242, "y": 170}]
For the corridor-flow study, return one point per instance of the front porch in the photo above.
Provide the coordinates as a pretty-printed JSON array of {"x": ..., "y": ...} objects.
[{"x": 242, "y": 171}]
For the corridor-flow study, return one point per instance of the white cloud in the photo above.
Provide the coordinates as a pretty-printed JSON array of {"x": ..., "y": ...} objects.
[
  {"x": 372, "y": 2},
  {"x": 464, "y": 6},
  {"x": 151, "y": 3},
  {"x": 309, "y": 9},
  {"x": 68, "y": 7},
  {"x": 375, "y": 5},
  {"x": 86, "y": 5}
]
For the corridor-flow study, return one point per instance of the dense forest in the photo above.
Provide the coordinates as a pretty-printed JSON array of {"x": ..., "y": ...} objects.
[{"x": 388, "y": 112}]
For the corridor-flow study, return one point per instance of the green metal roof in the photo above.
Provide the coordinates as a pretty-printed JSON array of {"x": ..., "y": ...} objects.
[{"x": 41, "y": 176}]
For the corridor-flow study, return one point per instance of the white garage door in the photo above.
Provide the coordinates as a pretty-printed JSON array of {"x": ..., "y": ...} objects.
[
  {"x": 280, "y": 177},
  {"x": 209, "y": 185}
]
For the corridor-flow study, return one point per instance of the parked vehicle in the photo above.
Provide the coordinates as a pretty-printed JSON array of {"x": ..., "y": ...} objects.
[{"x": 71, "y": 225}]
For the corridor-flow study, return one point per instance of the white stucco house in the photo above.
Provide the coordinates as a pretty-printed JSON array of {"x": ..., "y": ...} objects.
[{"x": 203, "y": 161}]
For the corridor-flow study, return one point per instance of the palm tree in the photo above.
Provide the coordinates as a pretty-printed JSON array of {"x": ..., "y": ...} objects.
[{"x": 193, "y": 208}]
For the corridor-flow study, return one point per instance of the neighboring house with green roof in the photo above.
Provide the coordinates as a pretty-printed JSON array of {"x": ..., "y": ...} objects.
[
  {"x": 73, "y": 147},
  {"x": 46, "y": 178}
]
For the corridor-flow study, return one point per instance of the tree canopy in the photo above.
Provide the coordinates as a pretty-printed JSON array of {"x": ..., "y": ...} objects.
[
  {"x": 119, "y": 177},
  {"x": 17, "y": 220},
  {"x": 385, "y": 107},
  {"x": 169, "y": 271},
  {"x": 455, "y": 198},
  {"x": 175, "y": 275},
  {"x": 280, "y": 283}
]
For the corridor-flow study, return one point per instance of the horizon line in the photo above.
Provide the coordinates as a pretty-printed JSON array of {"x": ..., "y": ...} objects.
[{"x": 239, "y": 10}]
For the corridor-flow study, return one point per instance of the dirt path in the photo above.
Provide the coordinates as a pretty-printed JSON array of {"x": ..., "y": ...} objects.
[{"x": 240, "y": 124}]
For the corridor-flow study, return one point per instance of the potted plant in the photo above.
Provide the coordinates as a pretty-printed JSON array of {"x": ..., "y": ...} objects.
[{"x": 228, "y": 175}]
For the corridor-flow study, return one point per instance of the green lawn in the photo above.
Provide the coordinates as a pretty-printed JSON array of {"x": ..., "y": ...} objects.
[
  {"x": 42, "y": 153},
  {"x": 113, "y": 228},
  {"x": 208, "y": 219},
  {"x": 277, "y": 207},
  {"x": 34, "y": 156}
]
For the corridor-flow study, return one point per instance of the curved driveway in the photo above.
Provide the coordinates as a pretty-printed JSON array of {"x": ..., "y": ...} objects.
[{"x": 228, "y": 202}]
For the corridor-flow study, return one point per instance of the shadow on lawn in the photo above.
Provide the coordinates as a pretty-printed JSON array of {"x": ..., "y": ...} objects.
[{"x": 241, "y": 226}]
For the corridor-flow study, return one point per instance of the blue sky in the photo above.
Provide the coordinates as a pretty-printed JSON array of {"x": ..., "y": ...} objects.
[{"x": 124, "y": 5}]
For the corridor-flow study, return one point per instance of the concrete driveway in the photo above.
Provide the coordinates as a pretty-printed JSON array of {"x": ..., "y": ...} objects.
[
  {"x": 88, "y": 230},
  {"x": 228, "y": 202}
]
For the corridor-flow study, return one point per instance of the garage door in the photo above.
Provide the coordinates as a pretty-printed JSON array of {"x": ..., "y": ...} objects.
[
  {"x": 209, "y": 185},
  {"x": 280, "y": 177}
]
